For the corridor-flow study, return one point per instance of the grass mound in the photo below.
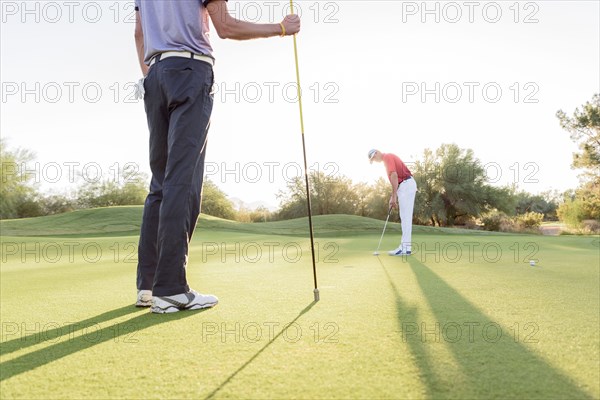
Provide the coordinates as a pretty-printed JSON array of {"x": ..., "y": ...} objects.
[{"x": 126, "y": 220}]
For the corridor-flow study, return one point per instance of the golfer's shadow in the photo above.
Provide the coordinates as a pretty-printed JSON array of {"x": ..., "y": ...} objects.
[
  {"x": 418, "y": 350},
  {"x": 487, "y": 365},
  {"x": 52, "y": 335},
  {"x": 258, "y": 353},
  {"x": 72, "y": 343}
]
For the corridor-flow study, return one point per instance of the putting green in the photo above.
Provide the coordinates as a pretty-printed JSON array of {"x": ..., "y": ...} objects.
[{"x": 465, "y": 317}]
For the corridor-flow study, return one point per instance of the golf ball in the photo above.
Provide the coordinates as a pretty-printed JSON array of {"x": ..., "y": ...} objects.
[{"x": 532, "y": 263}]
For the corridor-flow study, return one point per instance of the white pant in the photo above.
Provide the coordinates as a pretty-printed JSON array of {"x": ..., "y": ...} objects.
[{"x": 406, "y": 203}]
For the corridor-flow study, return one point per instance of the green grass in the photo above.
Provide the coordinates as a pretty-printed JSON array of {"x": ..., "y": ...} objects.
[{"x": 69, "y": 330}]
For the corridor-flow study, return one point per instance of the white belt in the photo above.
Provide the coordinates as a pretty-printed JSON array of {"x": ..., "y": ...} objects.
[{"x": 184, "y": 54}]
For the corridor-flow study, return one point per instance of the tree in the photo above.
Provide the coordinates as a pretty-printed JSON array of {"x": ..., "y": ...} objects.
[
  {"x": 17, "y": 191},
  {"x": 261, "y": 214},
  {"x": 429, "y": 206},
  {"x": 57, "y": 204},
  {"x": 583, "y": 204},
  {"x": 541, "y": 203},
  {"x": 109, "y": 193},
  {"x": 292, "y": 200},
  {"x": 378, "y": 199},
  {"x": 452, "y": 187},
  {"x": 584, "y": 128},
  {"x": 258, "y": 214},
  {"x": 329, "y": 195},
  {"x": 215, "y": 202},
  {"x": 363, "y": 193},
  {"x": 372, "y": 200},
  {"x": 332, "y": 194}
]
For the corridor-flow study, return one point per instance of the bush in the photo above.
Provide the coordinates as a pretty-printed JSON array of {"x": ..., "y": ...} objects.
[
  {"x": 529, "y": 220},
  {"x": 215, "y": 202},
  {"x": 583, "y": 204},
  {"x": 108, "y": 193},
  {"x": 591, "y": 225},
  {"x": 28, "y": 208},
  {"x": 500, "y": 222},
  {"x": 260, "y": 214},
  {"x": 543, "y": 204},
  {"x": 497, "y": 221},
  {"x": 571, "y": 212},
  {"x": 58, "y": 204},
  {"x": 471, "y": 223}
]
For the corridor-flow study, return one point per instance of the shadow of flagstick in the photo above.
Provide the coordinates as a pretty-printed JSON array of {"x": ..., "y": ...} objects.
[
  {"x": 54, "y": 352},
  {"x": 419, "y": 352},
  {"x": 501, "y": 368},
  {"x": 258, "y": 353}
]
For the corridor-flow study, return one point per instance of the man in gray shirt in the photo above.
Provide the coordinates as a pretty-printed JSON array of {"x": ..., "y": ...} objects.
[{"x": 176, "y": 59}]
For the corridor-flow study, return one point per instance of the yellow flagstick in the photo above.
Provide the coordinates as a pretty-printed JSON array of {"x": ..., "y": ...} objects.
[{"x": 310, "y": 224}]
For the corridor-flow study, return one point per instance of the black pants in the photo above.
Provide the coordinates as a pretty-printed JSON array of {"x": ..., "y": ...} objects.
[{"x": 178, "y": 104}]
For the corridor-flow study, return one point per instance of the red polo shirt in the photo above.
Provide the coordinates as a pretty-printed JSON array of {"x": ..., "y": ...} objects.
[{"x": 393, "y": 163}]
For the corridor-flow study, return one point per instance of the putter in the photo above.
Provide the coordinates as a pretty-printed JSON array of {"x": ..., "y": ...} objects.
[{"x": 376, "y": 252}]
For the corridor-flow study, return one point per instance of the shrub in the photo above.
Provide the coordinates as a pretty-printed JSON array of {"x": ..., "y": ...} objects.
[
  {"x": 529, "y": 220},
  {"x": 29, "y": 207},
  {"x": 500, "y": 222},
  {"x": 497, "y": 221},
  {"x": 591, "y": 225},
  {"x": 471, "y": 223},
  {"x": 571, "y": 212}
]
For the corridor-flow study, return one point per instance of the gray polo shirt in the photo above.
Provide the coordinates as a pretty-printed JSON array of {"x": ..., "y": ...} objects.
[{"x": 174, "y": 25}]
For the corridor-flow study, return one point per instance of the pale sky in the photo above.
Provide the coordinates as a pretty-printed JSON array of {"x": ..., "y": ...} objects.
[{"x": 488, "y": 76}]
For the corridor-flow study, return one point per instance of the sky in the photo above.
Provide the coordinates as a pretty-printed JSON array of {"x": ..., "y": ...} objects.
[{"x": 400, "y": 76}]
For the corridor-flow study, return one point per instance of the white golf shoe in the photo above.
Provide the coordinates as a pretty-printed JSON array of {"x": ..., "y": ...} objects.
[
  {"x": 399, "y": 252},
  {"x": 144, "y": 298},
  {"x": 191, "y": 300}
]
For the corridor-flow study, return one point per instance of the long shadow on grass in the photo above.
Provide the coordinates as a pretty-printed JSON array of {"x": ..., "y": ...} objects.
[
  {"x": 494, "y": 360},
  {"x": 418, "y": 350},
  {"x": 123, "y": 332},
  {"x": 52, "y": 331},
  {"x": 258, "y": 353}
]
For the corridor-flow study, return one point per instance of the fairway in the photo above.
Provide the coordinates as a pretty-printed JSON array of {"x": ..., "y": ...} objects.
[{"x": 466, "y": 316}]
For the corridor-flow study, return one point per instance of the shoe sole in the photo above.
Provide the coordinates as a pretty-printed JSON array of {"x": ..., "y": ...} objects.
[
  {"x": 201, "y": 306},
  {"x": 158, "y": 310},
  {"x": 143, "y": 303},
  {"x": 173, "y": 309}
]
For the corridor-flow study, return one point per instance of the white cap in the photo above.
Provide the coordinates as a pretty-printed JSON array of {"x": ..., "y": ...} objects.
[{"x": 372, "y": 153}]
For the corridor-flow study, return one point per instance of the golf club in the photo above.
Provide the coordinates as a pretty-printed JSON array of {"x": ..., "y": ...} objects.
[
  {"x": 310, "y": 224},
  {"x": 376, "y": 252}
]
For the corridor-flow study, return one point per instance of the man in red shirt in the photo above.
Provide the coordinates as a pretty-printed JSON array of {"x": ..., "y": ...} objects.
[{"x": 404, "y": 189}]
